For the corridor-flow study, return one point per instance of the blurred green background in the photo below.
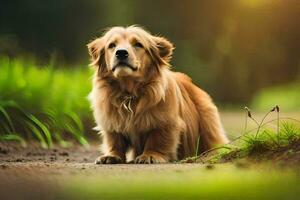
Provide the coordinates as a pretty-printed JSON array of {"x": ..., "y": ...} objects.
[
  {"x": 230, "y": 48},
  {"x": 243, "y": 52}
]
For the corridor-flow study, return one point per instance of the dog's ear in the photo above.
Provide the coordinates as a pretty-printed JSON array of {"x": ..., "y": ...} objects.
[
  {"x": 94, "y": 48},
  {"x": 96, "y": 51},
  {"x": 165, "y": 48}
]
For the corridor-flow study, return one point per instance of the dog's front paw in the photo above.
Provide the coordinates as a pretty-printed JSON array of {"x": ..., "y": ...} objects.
[
  {"x": 108, "y": 160},
  {"x": 151, "y": 158}
]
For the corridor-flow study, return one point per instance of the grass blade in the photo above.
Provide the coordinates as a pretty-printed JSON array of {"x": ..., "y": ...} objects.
[
  {"x": 42, "y": 127},
  {"x": 77, "y": 134},
  {"x": 13, "y": 137},
  {"x": 33, "y": 129},
  {"x": 7, "y": 119},
  {"x": 76, "y": 120}
]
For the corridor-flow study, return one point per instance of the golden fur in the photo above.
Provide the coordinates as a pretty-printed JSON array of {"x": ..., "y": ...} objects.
[{"x": 147, "y": 113}]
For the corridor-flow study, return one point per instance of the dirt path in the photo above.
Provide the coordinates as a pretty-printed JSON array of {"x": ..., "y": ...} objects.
[
  {"x": 36, "y": 173},
  {"x": 15, "y": 159},
  {"x": 13, "y": 156}
]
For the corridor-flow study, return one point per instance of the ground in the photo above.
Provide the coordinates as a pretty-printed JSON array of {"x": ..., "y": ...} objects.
[{"x": 59, "y": 173}]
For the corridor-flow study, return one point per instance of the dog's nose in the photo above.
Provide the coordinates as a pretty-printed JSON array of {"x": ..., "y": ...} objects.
[{"x": 122, "y": 54}]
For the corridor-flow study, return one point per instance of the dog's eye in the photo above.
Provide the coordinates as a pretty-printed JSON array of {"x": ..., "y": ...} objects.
[
  {"x": 111, "y": 45},
  {"x": 138, "y": 45}
]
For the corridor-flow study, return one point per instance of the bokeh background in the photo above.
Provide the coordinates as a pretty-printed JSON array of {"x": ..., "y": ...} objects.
[
  {"x": 243, "y": 52},
  {"x": 231, "y": 48}
]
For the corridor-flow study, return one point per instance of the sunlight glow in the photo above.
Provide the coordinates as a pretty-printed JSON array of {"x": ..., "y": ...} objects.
[{"x": 255, "y": 3}]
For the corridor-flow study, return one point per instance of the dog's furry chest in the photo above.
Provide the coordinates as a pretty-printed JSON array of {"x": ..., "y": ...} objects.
[
  {"x": 122, "y": 118},
  {"x": 154, "y": 107},
  {"x": 126, "y": 122}
]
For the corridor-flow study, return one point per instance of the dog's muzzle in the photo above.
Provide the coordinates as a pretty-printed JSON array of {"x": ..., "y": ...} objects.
[{"x": 123, "y": 64}]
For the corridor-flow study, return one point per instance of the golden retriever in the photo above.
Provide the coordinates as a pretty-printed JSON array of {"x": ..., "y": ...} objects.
[{"x": 145, "y": 112}]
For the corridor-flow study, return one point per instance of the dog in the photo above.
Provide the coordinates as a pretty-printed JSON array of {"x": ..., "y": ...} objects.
[{"x": 145, "y": 112}]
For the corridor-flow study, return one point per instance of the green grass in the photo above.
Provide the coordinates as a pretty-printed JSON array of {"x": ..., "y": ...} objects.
[
  {"x": 42, "y": 102},
  {"x": 221, "y": 182},
  {"x": 270, "y": 140},
  {"x": 267, "y": 142},
  {"x": 269, "y": 136},
  {"x": 287, "y": 96},
  {"x": 280, "y": 133}
]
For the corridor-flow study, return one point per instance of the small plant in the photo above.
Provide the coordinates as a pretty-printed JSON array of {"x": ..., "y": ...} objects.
[
  {"x": 286, "y": 133},
  {"x": 255, "y": 141}
]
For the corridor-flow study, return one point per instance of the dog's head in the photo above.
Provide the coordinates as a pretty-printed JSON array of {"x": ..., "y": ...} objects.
[{"x": 129, "y": 52}]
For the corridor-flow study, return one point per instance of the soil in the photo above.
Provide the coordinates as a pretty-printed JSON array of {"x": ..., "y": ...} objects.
[
  {"x": 33, "y": 159},
  {"x": 288, "y": 156},
  {"x": 37, "y": 173},
  {"x": 13, "y": 156},
  {"x": 34, "y": 172}
]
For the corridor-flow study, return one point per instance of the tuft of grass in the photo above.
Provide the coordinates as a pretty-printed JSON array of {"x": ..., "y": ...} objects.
[
  {"x": 268, "y": 140},
  {"x": 43, "y": 103},
  {"x": 284, "y": 134},
  {"x": 290, "y": 133},
  {"x": 256, "y": 141}
]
